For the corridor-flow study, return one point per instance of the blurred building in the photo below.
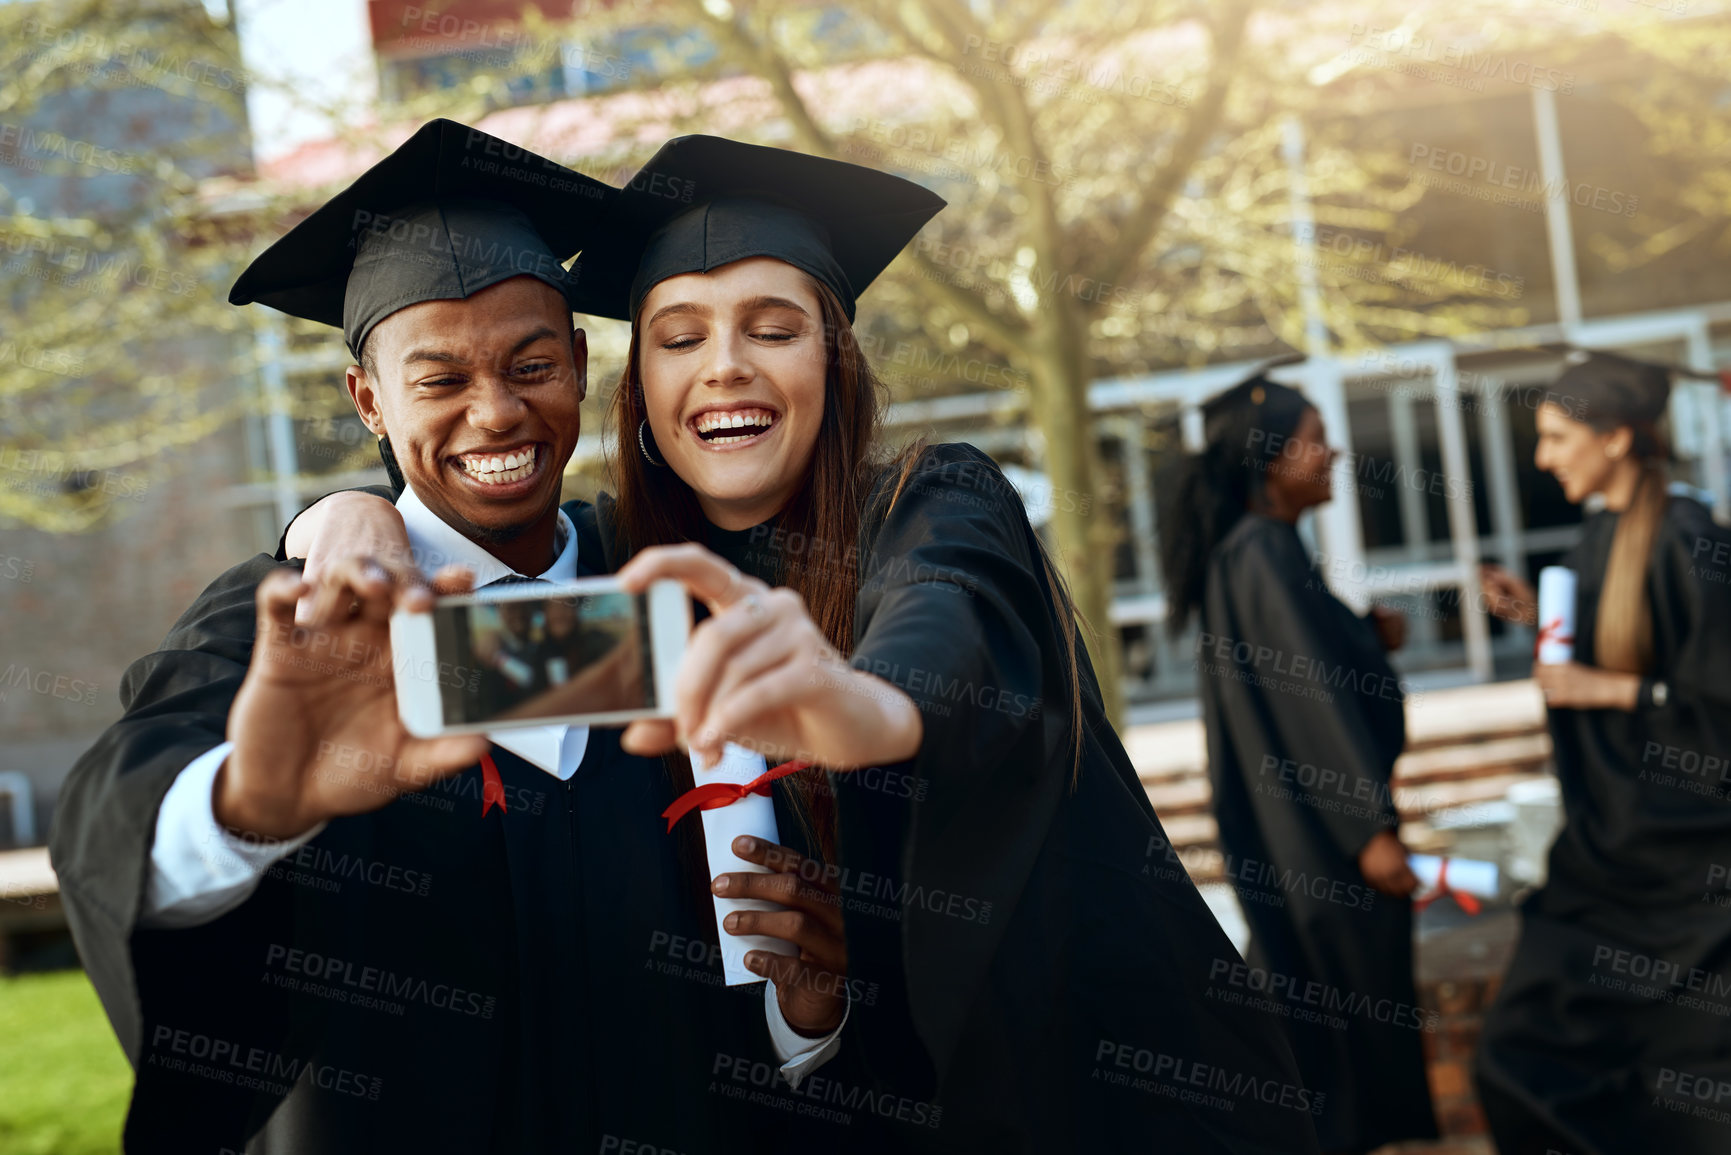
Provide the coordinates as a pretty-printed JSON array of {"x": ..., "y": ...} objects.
[
  {"x": 78, "y": 607},
  {"x": 1440, "y": 432}
]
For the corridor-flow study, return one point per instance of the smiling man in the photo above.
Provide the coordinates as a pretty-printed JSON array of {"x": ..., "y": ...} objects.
[{"x": 314, "y": 933}]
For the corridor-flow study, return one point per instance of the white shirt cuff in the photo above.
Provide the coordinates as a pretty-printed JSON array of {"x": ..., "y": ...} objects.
[
  {"x": 198, "y": 870},
  {"x": 799, "y": 1055}
]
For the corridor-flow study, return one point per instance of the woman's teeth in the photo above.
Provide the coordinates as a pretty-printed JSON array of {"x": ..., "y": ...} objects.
[
  {"x": 717, "y": 427},
  {"x": 499, "y": 468}
]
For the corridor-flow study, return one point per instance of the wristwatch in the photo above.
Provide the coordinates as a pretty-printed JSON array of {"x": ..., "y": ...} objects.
[{"x": 1654, "y": 693}]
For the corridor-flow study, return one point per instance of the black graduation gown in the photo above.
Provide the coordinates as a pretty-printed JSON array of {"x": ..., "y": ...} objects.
[
  {"x": 1039, "y": 962},
  {"x": 419, "y": 978},
  {"x": 1612, "y": 1031},
  {"x": 1304, "y": 719}
]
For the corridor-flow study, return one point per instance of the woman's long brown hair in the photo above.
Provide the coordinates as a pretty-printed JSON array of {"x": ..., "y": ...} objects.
[{"x": 1623, "y": 629}]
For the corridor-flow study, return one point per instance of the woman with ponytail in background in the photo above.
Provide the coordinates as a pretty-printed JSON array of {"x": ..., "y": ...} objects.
[
  {"x": 1611, "y": 1032},
  {"x": 1304, "y": 718}
]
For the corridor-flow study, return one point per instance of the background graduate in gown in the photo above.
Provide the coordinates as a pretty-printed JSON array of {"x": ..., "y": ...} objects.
[
  {"x": 392, "y": 956},
  {"x": 1041, "y": 959},
  {"x": 1612, "y": 1031},
  {"x": 1304, "y": 719}
]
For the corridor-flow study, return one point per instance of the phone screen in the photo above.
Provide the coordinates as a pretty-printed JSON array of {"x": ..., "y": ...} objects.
[{"x": 543, "y": 657}]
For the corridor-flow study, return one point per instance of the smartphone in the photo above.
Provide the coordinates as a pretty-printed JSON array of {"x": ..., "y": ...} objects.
[{"x": 568, "y": 653}]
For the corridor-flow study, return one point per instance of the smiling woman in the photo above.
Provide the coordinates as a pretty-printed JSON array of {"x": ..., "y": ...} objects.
[{"x": 731, "y": 367}]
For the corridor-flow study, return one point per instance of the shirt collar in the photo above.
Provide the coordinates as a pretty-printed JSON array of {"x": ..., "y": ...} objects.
[{"x": 437, "y": 544}]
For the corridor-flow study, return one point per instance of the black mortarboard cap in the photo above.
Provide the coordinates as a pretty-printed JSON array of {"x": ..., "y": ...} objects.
[
  {"x": 1256, "y": 399},
  {"x": 703, "y": 201},
  {"x": 451, "y": 212}
]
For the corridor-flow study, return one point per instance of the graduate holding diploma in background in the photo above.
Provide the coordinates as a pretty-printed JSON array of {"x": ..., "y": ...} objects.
[
  {"x": 1040, "y": 959},
  {"x": 1304, "y": 718},
  {"x": 315, "y": 934},
  {"x": 1612, "y": 1030}
]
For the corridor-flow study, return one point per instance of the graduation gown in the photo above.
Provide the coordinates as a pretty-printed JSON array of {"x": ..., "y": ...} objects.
[
  {"x": 1039, "y": 961},
  {"x": 1612, "y": 1031},
  {"x": 418, "y": 978},
  {"x": 1304, "y": 719}
]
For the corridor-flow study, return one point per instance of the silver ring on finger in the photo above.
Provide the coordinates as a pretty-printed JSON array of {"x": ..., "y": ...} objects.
[{"x": 753, "y": 606}]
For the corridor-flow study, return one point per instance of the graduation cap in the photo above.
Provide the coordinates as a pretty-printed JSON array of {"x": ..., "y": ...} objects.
[
  {"x": 451, "y": 212},
  {"x": 703, "y": 201},
  {"x": 1255, "y": 400}
]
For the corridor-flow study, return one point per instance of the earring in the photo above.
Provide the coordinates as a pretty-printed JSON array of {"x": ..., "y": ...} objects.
[{"x": 643, "y": 443}]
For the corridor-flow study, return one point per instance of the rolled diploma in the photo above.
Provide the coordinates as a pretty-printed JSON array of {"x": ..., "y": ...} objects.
[
  {"x": 1556, "y": 614},
  {"x": 754, "y": 815},
  {"x": 1465, "y": 874}
]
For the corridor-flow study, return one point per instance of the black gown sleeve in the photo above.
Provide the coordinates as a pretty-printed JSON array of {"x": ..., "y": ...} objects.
[
  {"x": 1312, "y": 674},
  {"x": 953, "y": 609},
  {"x": 176, "y": 703},
  {"x": 380, "y": 491}
]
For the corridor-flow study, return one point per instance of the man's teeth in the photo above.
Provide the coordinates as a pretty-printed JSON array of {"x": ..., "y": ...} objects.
[{"x": 500, "y": 468}]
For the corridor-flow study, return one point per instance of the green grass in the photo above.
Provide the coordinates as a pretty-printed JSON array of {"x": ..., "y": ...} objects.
[{"x": 63, "y": 1079}]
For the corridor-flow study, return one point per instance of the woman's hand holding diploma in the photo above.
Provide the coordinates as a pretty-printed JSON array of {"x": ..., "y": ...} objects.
[{"x": 759, "y": 672}]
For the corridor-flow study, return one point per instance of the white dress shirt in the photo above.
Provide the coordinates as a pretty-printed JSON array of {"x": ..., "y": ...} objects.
[{"x": 199, "y": 871}]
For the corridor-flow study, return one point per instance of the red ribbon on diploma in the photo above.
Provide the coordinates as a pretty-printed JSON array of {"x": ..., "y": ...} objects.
[
  {"x": 1466, "y": 901},
  {"x": 1552, "y": 631},
  {"x": 715, "y": 795},
  {"x": 492, "y": 786}
]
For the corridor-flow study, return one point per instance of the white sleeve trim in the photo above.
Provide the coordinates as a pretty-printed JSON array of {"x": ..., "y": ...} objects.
[
  {"x": 799, "y": 1055},
  {"x": 198, "y": 870}
]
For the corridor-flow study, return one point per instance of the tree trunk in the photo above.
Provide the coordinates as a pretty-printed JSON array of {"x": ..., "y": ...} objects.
[{"x": 1081, "y": 521}]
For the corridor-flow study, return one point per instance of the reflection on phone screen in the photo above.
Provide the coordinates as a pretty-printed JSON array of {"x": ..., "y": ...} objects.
[{"x": 543, "y": 657}]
